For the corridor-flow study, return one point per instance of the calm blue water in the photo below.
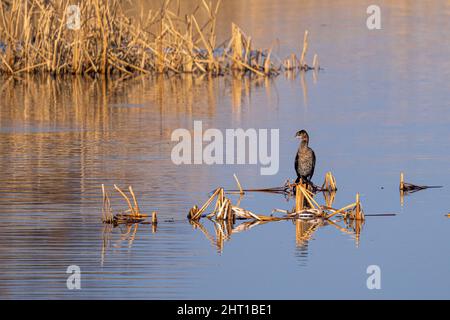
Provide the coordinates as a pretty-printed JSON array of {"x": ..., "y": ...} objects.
[{"x": 380, "y": 106}]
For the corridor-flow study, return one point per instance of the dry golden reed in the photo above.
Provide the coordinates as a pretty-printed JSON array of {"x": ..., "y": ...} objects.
[{"x": 35, "y": 37}]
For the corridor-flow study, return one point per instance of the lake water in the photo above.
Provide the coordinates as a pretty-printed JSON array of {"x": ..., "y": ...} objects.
[{"x": 380, "y": 105}]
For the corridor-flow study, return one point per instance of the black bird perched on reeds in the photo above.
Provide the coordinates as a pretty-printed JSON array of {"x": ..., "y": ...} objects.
[{"x": 305, "y": 161}]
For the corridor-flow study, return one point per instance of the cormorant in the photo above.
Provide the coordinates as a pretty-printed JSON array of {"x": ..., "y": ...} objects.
[{"x": 305, "y": 161}]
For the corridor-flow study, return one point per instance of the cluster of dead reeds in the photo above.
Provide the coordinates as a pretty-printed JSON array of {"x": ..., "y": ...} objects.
[
  {"x": 39, "y": 36},
  {"x": 132, "y": 215},
  {"x": 307, "y": 214},
  {"x": 305, "y": 207},
  {"x": 225, "y": 210}
]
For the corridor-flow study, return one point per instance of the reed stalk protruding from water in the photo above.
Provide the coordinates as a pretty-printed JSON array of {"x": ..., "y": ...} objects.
[
  {"x": 132, "y": 215},
  {"x": 241, "y": 191},
  {"x": 406, "y": 187}
]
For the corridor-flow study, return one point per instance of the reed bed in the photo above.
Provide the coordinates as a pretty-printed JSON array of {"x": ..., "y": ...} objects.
[{"x": 36, "y": 37}]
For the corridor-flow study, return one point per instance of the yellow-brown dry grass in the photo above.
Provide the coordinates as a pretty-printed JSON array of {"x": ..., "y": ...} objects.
[{"x": 36, "y": 36}]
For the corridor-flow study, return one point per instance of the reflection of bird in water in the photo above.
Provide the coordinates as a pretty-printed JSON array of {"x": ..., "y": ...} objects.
[{"x": 305, "y": 161}]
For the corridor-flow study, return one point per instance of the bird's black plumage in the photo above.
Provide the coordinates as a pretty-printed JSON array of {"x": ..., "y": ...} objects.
[{"x": 305, "y": 161}]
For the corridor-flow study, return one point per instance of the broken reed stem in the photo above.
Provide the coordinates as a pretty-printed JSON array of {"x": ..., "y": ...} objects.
[
  {"x": 221, "y": 210},
  {"x": 154, "y": 218},
  {"x": 342, "y": 210},
  {"x": 305, "y": 49},
  {"x": 198, "y": 214},
  {"x": 315, "y": 64},
  {"x": 132, "y": 215},
  {"x": 309, "y": 197},
  {"x": 136, "y": 206},
  {"x": 299, "y": 199},
  {"x": 236, "y": 40},
  {"x": 357, "y": 208},
  {"x": 359, "y": 214},
  {"x": 402, "y": 182},
  {"x": 126, "y": 198},
  {"x": 410, "y": 188},
  {"x": 267, "y": 68},
  {"x": 241, "y": 191},
  {"x": 302, "y": 193},
  {"x": 104, "y": 203},
  {"x": 254, "y": 216}
]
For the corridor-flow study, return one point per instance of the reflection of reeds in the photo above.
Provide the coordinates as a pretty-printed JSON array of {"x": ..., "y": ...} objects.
[
  {"x": 330, "y": 183},
  {"x": 37, "y": 39},
  {"x": 223, "y": 229},
  {"x": 106, "y": 236},
  {"x": 97, "y": 104},
  {"x": 358, "y": 224},
  {"x": 198, "y": 225},
  {"x": 329, "y": 198},
  {"x": 127, "y": 235},
  {"x": 45, "y": 101},
  {"x": 304, "y": 230},
  {"x": 107, "y": 214},
  {"x": 351, "y": 227}
]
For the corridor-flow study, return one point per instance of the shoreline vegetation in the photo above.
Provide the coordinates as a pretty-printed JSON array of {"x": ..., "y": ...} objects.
[{"x": 36, "y": 37}]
